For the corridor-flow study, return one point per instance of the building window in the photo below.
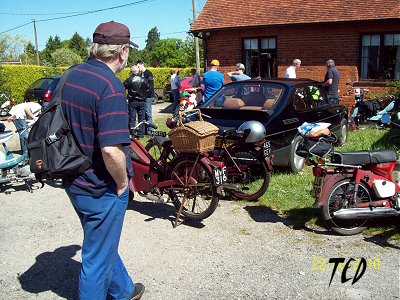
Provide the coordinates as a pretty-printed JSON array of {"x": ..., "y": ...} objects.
[
  {"x": 380, "y": 56},
  {"x": 260, "y": 57}
]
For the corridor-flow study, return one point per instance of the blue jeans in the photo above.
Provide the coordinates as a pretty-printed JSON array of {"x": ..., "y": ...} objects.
[
  {"x": 175, "y": 97},
  {"x": 20, "y": 125},
  {"x": 148, "y": 115},
  {"x": 137, "y": 108},
  {"x": 103, "y": 272}
]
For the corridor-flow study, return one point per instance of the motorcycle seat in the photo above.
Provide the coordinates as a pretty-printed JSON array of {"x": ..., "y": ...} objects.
[
  {"x": 364, "y": 157},
  {"x": 223, "y": 131}
]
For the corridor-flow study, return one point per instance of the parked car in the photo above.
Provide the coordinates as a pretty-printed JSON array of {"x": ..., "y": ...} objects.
[
  {"x": 185, "y": 84},
  {"x": 42, "y": 90},
  {"x": 281, "y": 105}
]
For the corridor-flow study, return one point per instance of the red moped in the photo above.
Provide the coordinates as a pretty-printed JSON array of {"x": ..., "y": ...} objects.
[{"x": 352, "y": 187}]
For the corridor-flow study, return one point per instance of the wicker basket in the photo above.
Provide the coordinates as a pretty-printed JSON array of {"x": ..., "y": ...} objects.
[{"x": 193, "y": 137}]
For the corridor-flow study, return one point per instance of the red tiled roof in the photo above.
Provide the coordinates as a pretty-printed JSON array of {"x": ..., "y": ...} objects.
[{"x": 218, "y": 14}]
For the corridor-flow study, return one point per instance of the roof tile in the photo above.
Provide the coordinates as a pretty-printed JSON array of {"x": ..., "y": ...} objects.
[{"x": 219, "y": 14}]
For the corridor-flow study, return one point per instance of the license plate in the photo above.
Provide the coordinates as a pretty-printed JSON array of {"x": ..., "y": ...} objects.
[
  {"x": 317, "y": 187},
  {"x": 218, "y": 143},
  {"x": 158, "y": 133},
  {"x": 267, "y": 148},
  {"x": 220, "y": 175},
  {"x": 34, "y": 100}
]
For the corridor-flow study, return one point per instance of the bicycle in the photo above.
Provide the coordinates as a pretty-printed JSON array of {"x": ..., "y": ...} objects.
[
  {"x": 190, "y": 181},
  {"x": 248, "y": 159}
]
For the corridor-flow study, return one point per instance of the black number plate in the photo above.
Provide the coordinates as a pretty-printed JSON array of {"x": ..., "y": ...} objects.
[
  {"x": 267, "y": 148},
  {"x": 158, "y": 133},
  {"x": 220, "y": 175}
]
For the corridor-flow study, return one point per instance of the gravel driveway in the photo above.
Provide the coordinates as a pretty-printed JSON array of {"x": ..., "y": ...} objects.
[
  {"x": 240, "y": 252},
  {"x": 243, "y": 251}
]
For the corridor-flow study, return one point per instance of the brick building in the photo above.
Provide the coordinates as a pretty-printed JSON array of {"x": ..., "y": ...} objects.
[{"x": 362, "y": 37}]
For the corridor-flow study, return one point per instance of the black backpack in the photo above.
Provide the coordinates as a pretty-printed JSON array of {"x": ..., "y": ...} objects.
[{"x": 53, "y": 151}]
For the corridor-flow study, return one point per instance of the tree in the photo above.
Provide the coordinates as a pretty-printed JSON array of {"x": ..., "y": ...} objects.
[
  {"x": 29, "y": 55},
  {"x": 152, "y": 37},
  {"x": 65, "y": 57},
  {"x": 52, "y": 45},
  {"x": 134, "y": 56},
  {"x": 189, "y": 50},
  {"x": 78, "y": 45},
  {"x": 168, "y": 53},
  {"x": 11, "y": 46}
]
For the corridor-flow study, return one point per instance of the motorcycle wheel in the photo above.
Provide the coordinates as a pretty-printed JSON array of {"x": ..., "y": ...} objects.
[
  {"x": 199, "y": 197},
  {"x": 341, "y": 197},
  {"x": 254, "y": 179}
]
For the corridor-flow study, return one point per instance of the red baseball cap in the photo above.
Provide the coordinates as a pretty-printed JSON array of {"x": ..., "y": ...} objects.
[{"x": 112, "y": 33}]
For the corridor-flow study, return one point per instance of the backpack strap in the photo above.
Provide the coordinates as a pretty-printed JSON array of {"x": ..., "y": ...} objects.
[{"x": 60, "y": 85}]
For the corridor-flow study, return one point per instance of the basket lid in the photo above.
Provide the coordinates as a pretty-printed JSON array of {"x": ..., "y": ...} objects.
[{"x": 202, "y": 127}]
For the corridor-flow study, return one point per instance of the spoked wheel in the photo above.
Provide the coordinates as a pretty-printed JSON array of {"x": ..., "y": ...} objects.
[
  {"x": 253, "y": 177},
  {"x": 155, "y": 151},
  {"x": 196, "y": 189},
  {"x": 341, "y": 196}
]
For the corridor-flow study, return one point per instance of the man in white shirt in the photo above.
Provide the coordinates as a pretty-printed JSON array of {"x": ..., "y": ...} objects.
[
  {"x": 291, "y": 71},
  {"x": 175, "y": 87},
  {"x": 19, "y": 113}
]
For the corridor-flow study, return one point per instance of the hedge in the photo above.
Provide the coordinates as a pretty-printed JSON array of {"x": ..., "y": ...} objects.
[{"x": 17, "y": 78}]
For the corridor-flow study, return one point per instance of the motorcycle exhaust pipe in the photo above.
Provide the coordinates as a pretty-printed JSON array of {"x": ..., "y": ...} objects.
[
  {"x": 231, "y": 186},
  {"x": 365, "y": 213}
]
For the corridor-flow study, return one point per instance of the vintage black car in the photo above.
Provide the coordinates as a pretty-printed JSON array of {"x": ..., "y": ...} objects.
[{"x": 281, "y": 105}]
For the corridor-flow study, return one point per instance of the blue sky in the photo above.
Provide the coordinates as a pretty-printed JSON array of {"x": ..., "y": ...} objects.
[{"x": 170, "y": 16}]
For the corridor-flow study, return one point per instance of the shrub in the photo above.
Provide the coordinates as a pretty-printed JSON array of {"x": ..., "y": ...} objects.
[{"x": 17, "y": 78}]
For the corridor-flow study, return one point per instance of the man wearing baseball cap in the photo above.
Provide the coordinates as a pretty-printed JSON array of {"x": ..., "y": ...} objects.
[
  {"x": 94, "y": 102},
  {"x": 213, "y": 80}
]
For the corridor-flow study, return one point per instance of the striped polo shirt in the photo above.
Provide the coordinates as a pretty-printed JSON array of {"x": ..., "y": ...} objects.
[{"x": 94, "y": 103}]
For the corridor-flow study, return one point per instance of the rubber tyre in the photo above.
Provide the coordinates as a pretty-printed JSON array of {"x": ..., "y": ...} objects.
[
  {"x": 339, "y": 197},
  {"x": 200, "y": 202},
  {"x": 344, "y": 129},
  {"x": 257, "y": 170},
  {"x": 296, "y": 163},
  {"x": 154, "y": 100}
]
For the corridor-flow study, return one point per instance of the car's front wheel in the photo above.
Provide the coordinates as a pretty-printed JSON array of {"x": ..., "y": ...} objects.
[{"x": 296, "y": 163}]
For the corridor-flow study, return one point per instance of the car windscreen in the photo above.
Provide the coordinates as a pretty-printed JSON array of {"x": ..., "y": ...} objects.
[
  {"x": 247, "y": 95},
  {"x": 41, "y": 84}
]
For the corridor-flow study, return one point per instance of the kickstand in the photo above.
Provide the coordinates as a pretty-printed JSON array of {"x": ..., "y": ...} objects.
[{"x": 178, "y": 220}]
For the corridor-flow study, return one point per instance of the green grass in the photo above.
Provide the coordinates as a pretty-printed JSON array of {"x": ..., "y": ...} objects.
[{"x": 289, "y": 194}]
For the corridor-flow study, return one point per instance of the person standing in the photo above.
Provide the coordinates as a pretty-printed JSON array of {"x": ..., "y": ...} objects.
[
  {"x": 150, "y": 95},
  {"x": 213, "y": 80},
  {"x": 138, "y": 88},
  {"x": 19, "y": 114},
  {"x": 175, "y": 88},
  {"x": 331, "y": 82},
  {"x": 291, "y": 71},
  {"x": 94, "y": 103},
  {"x": 196, "y": 83},
  {"x": 238, "y": 74}
]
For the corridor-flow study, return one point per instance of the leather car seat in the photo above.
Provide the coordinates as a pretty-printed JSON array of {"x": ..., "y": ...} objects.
[{"x": 233, "y": 103}]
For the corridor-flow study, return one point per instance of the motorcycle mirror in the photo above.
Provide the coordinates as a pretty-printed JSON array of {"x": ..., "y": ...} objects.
[{"x": 385, "y": 119}]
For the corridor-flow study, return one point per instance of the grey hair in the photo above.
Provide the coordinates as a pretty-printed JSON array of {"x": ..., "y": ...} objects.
[
  {"x": 296, "y": 62},
  {"x": 240, "y": 66},
  {"x": 105, "y": 52},
  {"x": 330, "y": 63}
]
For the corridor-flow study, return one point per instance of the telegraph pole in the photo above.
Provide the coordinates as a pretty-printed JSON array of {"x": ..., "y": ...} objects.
[
  {"x": 36, "y": 43},
  {"x": 196, "y": 39}
]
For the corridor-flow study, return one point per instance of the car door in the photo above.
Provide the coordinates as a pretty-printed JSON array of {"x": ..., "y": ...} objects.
[{"x": 324, "y": 112}]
